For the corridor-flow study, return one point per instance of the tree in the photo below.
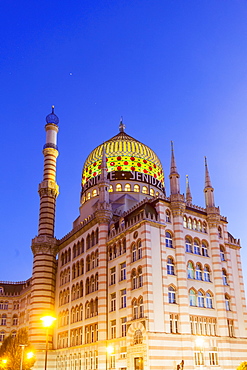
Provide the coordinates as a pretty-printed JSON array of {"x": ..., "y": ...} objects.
[
  {"x": 242, "y": 366},
  {"x": 11, "y": 350}
]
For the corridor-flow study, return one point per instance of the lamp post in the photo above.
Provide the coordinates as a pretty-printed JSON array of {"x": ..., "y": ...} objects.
[
  {"x": 22, "y": 354},
  {"x": 47, "y": 323}
]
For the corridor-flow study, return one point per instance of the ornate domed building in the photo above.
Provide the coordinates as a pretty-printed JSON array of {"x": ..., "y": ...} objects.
[{"x": 143, "y": 281}]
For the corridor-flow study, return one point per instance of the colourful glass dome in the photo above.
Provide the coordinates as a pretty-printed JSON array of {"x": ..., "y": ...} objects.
[{"x": 123, "y": 154}]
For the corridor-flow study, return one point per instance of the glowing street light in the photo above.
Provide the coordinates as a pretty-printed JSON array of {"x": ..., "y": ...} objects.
[
  {"x": 4, "y": 362},
  {"x": 47, "y": 323},
  {"x": 200, "y": 343},
  {"x": 109, "y": 351}
]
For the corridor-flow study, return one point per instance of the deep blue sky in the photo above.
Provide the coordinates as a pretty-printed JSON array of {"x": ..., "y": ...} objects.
[{"x": 175, "y": 70}]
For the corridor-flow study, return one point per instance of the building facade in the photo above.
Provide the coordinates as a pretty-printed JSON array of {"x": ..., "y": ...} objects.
[{"x": 142, "y": 281}]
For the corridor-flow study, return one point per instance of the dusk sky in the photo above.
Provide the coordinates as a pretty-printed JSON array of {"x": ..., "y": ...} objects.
[{"x": 174, "y": 69}]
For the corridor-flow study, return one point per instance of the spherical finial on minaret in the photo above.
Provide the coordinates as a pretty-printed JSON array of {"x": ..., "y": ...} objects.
[{"x": 52, "y": 117}]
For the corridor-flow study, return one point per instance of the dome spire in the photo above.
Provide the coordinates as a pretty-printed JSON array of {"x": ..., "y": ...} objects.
[
  {"x": 52, "y": 117},
  {"x": 121, "y": 125},
  {"x": 188, "y": 192}
]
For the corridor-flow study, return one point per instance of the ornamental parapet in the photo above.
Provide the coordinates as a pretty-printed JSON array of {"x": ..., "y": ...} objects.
[
  {"x": 44, "y": 244},
  {"x": 48, "y": 188}
]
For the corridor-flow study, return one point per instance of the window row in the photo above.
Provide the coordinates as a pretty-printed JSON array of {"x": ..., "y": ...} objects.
[
  {"x": 4, "y": 305},
  {"x": 76, "y": 313},
  {"x": 198, "y": 272},
  {"x": 77, "y": 290},
  {"x": 3, "y": 334},
  {"x": 203, "y": 325},
  {"x": 200, "y": 299},
  {"x": 92, "y": 261},
  {"x": 117, "y": 249},
  {"x": 194, "y": 224},
  {"x": 195, "y": 247},
  {"x": 3, "y": 319},
  {"x": 199, "y": 357},
  {"x": 76, "y": 362}
]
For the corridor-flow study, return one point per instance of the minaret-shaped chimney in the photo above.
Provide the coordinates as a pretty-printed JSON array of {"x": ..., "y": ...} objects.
[
  {"x": 44, "y": 246},
  {"x": 174, "y": 176},
  {"x": 208, "y": 189},
  {"x": 188, "y": 192}
]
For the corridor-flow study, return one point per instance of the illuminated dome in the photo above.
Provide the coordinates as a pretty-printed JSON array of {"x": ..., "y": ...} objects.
[{"x": 125, "y": 157}]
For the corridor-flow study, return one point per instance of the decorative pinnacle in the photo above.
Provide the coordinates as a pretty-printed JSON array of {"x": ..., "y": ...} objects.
[
  {"x": 52, "y": 118},
  {"x": 188, "y": 192},
  {"x": 173, "y": 162},
  {"x": 207, "y": 177},
  {"x": 52, "y": 108},
  {"x": 121, "y": 125}
]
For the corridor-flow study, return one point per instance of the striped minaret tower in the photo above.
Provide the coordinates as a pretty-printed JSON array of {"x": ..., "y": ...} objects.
[{"x": 44, "y": 246}]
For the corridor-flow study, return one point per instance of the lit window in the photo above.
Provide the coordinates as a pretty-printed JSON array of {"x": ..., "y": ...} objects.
[
  {"x": 170, "y": 266},
  {"x": 192, "y": 297},
  {"x": 204, "y": 250},
  {"x": 88, "y": 195},
  {"x": 204, "y": 227},
  {"x": 188, "y": 246},
  {"x": 127, "y": 187},
  {"x": 189, "y": 223},
  {"x": 118, "y": 187},
  {"x": 199, "y": 226},
  {"x": 110, "y": 189},
  {"x": 196, "y": 247},
  {"x": 194, "y": 225},
  {"x": 168, "y": 240},
  {"x": 168, "y": 216},
  {"x": 152, "y": 192},
  {"x": 200, "y": 299},
  {"x": 144, "y": 190},
  {"x": 190, "y": 271},
  {"x": 206, "y": 273},
  {"x": 136, "y": 188},
  {"x": 94, "y": 193},
  {"x": 198, "y": 272},
  {"x": 185, "y": 221},
  {"x": 171, "y": 295},
  {"x": 213, "y": 358},
  {"x": 209, "y": 300}
]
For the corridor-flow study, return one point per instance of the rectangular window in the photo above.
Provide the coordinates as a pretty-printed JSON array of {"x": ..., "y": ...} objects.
[
  {"x": 123, "y": 271},
  {"x": 123, "y": 296},
  {"x": 112, "y": 362},
  {"x": 213, "y": 358},
  {"x": 113, "y": 276},
  {"x": 199, "y": 358},
  {"x": 123, "y": 326},
  {"x": 113, "y": 329},
  {"x": 113, "y": 302},
  {"x": 230, "y": 328}
]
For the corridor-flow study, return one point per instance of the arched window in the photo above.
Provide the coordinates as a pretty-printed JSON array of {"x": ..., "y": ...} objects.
[
  {"x": 87, "y": 286},
  {"x": 188, "y": 246},
  {"x": 110, "y": 189},
  {"x": 88, "y": 241},
  {"x": 198, "y": 271},
  {"x": 135, "y": 309},
  {"x": 127, "y": 187},
  {"x": 136, "y": 188},
  {"x": 200, "y": 299},
  {"x": 170, "y": 266},
  {"x": 152, "y": 192},
  {"x": 209, "y": 300},
  {"x": 194, "y": 224},
  {"x": 199, "y": 226},
  {"x": 134, "y": 279},
  {"x": 87, "y": 310},
  {"x": 190, "y": 270},
  {"x": 144, "y": 190},
  {"x": 96, "y": 282},
  {"x": 88, "y": 263},
  {"x": 168, "y": 240},
  {"x": 141, "y": 307},
  {"x": 118, "y": 187},
  {"x": 192, "y": 295},
  {"x": 222, "y": 253},
  {"x": 168, "y": 216},
  {"x": 196, "y": 247},
  {"x": 171, "y": 295},
  {"x": 138, "y": 338},
  {"x": 206, "y": 273},
  {"x": 219, "y": 232},
  {"x": 88, "y": 195},
  {"x": 224, "y": 277},
  {"x": 94, "y": 193},
  {"x": 227, "y": 301},
  {"x": 204, "y": 249},
  {"x": 134, "y": 252},
  {"x": 204, "y": 227},
  {"x": 189, "y": 223},
  {"x": 139, "y": 249},
  {"x": 140, "y": 277},
  {"x": 185, "y": 221}
]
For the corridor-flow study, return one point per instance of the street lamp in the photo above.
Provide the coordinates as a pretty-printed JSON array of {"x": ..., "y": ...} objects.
[
  {"x": 22, "y": 354},
  {"x": 47, "y": 323}
]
